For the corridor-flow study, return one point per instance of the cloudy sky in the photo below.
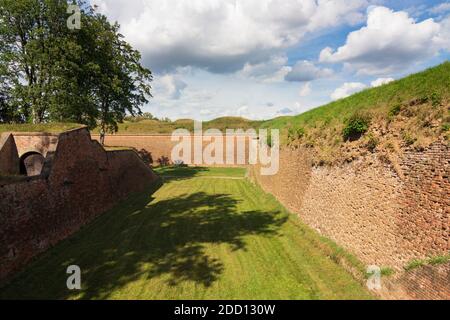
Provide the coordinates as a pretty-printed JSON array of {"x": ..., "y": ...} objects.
[{"x": 265, "y": 58}]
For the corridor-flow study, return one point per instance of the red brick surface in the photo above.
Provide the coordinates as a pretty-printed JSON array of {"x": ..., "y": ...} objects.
[
  {"x": 424, "y": 283},
  {"x": 80, "y": 181}
]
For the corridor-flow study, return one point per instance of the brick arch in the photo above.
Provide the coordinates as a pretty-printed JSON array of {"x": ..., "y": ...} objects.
[{"x": 31, "y": 163}]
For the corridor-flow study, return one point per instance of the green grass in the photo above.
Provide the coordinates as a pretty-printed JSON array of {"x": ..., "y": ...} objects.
[
  {"x": 163, "y": 127},
  {"x": 54, "y": 127},
  {"x": 173, "y": 171},
  {"x": 436, "y": 260},
  {"x": 382, "y": 99},
  {"x": 195, "y": 238}
]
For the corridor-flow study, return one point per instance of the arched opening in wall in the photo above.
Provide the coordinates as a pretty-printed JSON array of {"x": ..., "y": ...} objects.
[{"x": 31, "y": 164}]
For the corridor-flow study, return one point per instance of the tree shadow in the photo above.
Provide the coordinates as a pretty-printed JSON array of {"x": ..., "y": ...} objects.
[
  {"x": 181, "y": 173},
  {"x": 166, "y": 239}
]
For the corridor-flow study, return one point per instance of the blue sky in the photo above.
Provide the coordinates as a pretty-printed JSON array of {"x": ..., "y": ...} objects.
[{"x": 265, "y": 58}]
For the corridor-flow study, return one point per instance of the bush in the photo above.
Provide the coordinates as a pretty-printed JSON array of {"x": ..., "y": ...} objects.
[
  {"x": 356, "y": 126},
  {"x": 446, "y": 127},
  {"x": 387, "y": 271},
  {"x": 395, "y": 110},
  {"x": 163, "y": 161},
  {"x": 146, "y": 156},
  {"x": 415, "y": 264},
  {"x": 372, "y": 143},
  {"x": 435, "y": 99},
  {"x": 408, "y": 139},
  {"x": 179, "y": 163},
  {"x": 295, "y": 134}
]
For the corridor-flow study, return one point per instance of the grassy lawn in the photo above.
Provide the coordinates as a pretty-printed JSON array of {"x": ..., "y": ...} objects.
[
  {"x": 170, "y": 171},
  {"x": 195, "y": 238}
]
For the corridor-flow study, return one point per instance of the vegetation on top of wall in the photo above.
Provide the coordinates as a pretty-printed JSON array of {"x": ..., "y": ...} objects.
[
  {"x": 387, "y": 271},
  {"x": 152, "y": 125},
  {"x": 436, "y": 260},
  {"x": 53, "y": 127},
  {"x": 408, "y": 113}
]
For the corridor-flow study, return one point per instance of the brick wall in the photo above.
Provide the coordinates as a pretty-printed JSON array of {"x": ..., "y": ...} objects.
[
  {"x": 35, "y": 142},
  {"x": 424, "y": 283},
  {"x": 368, "y": 208},
  {"x": 9, "y": 158},
  {"x": 79, "y": 181},
  {"x": 161, "y": 145}
]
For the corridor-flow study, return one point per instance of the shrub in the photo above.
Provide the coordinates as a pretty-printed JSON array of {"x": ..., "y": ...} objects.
[
  {"x": 387, "y": 271},
  {"x": 163, "y": 161},
  {"x": 435, "y": 99},
  {"x": 446, "y": 127},
  {"x": 295, "y": 134},
  {"x": 414, "y": 264},
  {"x": 439, "y": 260},
  {"x": 372, "y": 143},
  {"x": 356, "y": 126},
  {"x": 146, "y": 156},
  {"x": 179, "y": 163},
  {"x": 408, "y": 139},
  {"x": 395, "y": 110}
]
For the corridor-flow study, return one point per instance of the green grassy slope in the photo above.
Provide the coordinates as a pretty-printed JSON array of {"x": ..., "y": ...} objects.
[
  {"x": 408, "y": 113},
  {"x": 376, "y": 100},
  {"x": 195, "y": 238},
  {"x": 163, "y": 127}
]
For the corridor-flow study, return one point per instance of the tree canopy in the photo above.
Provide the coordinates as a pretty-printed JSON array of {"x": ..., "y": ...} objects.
[{"x": 50, "y": 72}]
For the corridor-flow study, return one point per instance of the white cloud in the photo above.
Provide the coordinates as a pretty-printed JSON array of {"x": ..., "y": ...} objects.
[
  {"x": 381, "y": 81},
  {"x": 223, "y": 35},
  {"x": 391, "y": 41},
  {"x": 347, "y": 89},
  {"x": 440, "y": 8},
  {"x": 285, "y": 111},
  {"x": 443, "y": 39},
  {"x": 273, "y": 70},
  {"x": 168, "y": 87},
  {"x": 305, "y": 90},
  {"x": 304, "y": 71},
  {"x": 205, "y": 112}
]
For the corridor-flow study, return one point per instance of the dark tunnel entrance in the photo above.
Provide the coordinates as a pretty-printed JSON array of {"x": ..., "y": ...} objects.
[{"x": 31, "y": 163}]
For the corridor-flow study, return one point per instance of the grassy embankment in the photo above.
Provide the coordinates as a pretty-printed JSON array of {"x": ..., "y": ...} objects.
[{"x": 197, "y": 237}]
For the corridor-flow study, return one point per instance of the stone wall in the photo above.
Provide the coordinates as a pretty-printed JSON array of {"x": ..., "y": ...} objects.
[
  {"x": 384, "y": 218},
  {"x": 161, "y": 145},
  {"x": 80, "y": 180}
]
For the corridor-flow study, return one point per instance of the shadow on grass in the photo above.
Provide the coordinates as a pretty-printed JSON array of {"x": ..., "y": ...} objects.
[
  {"x": 179, "y": 173},
  {"x": 166, "y": 239}
]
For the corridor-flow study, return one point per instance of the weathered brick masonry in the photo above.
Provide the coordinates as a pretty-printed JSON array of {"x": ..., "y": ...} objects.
[
  {"x": 80, "y": 180},
  {"x": 160, "y": 145},
  {"x": 384, "y": 218},
  {"x": 424, "y": 283}
]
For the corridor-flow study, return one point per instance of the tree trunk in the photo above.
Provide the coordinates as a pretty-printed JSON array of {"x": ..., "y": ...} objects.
[{"x": 102, "y": 134}]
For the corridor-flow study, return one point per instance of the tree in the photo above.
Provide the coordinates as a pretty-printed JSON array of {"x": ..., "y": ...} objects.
[
  {"x": 29, "y": 32},
  {"x": 52, "y": 73},
  {"x": 121, "y": 83}
]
